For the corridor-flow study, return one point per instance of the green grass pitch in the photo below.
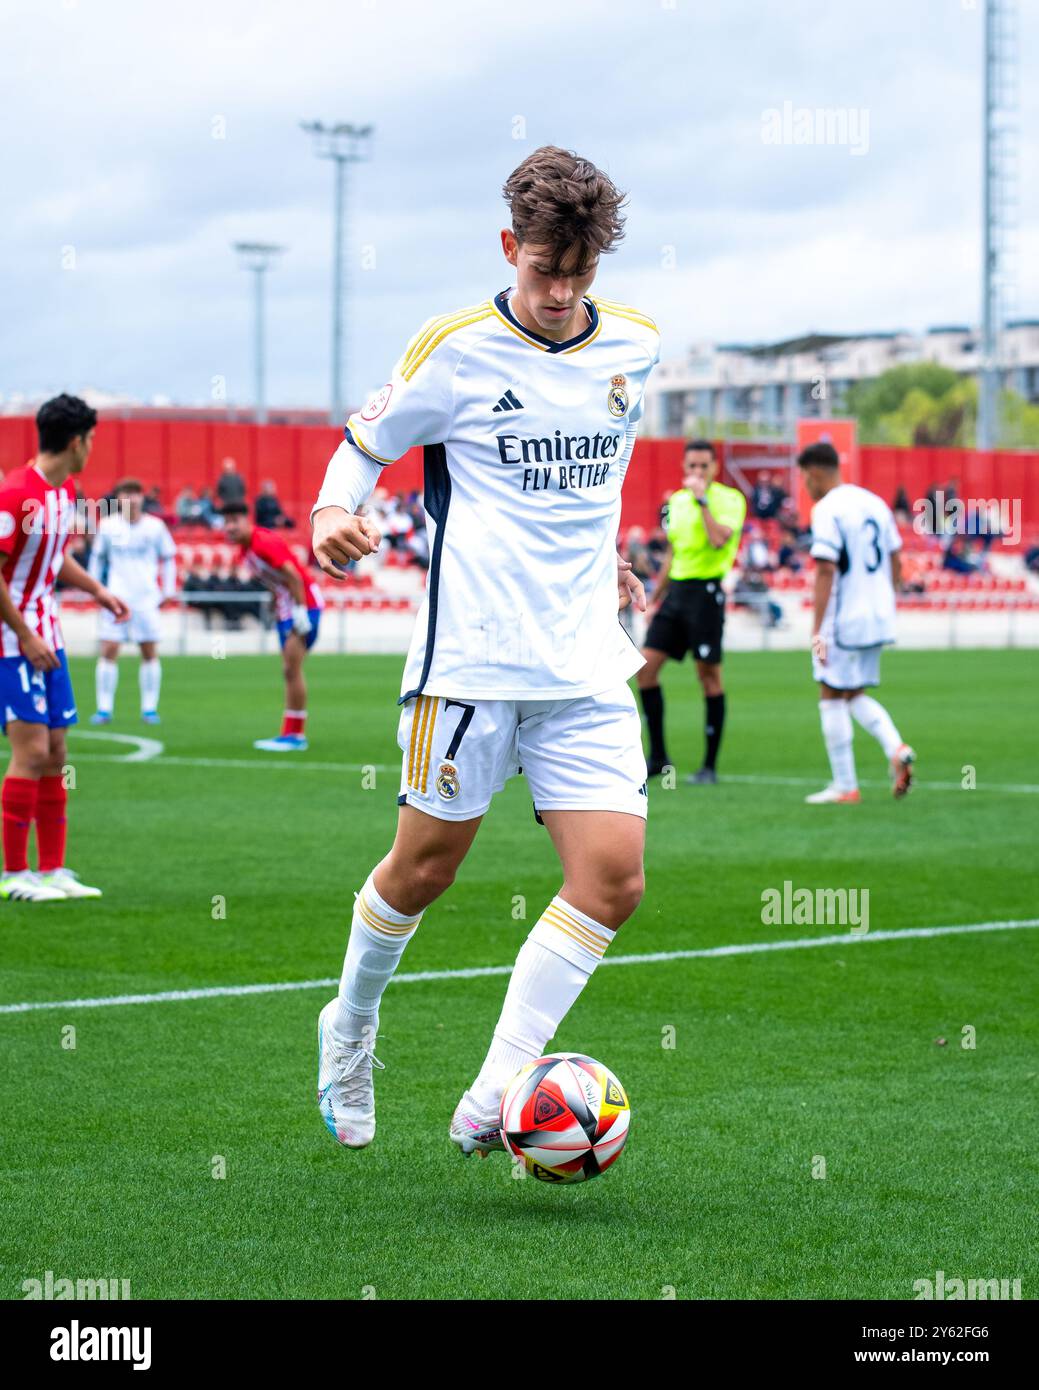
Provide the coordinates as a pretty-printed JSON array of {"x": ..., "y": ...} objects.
[{"x": 109, "y": 1148}]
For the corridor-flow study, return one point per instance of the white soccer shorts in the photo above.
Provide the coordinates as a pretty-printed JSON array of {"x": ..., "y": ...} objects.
[
  {"x": 144, "y": 625},
  {"x": 577, "y": 755},
  {"x": 847, "y": 668}
]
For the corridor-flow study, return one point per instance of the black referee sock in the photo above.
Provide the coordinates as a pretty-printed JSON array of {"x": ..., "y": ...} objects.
[
  {"x": 653, "y": 708},
  {"x": 713, "y": 726}
]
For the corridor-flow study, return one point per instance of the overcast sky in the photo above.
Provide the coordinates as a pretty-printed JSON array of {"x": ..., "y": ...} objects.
[{"x": 121, "y": 201}]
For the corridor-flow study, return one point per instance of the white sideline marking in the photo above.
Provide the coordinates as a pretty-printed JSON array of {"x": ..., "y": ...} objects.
[
  {"x": 805, "y": 943},
  {"x": 287, "y": 762}
]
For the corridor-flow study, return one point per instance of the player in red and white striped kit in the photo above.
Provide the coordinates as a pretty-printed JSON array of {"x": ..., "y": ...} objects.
[
  {"x": 297, "y": 606},
  {"x": 37, "y": 513}
]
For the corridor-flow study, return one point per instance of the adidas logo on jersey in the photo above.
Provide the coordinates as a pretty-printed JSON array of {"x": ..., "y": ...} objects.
[{"x": 508, "y": 402}]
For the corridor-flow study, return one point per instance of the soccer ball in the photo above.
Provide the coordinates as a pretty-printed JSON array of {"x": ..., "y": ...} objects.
[{"x": 565, "y": 1116}]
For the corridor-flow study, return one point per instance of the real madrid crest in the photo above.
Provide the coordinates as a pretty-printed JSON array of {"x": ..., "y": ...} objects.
[
  {"x": 617, "y": 399},
  {"x": 447, "y": 781}
]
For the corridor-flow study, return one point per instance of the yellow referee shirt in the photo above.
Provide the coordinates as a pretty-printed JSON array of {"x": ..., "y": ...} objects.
[{"x": 693, "y": 555}]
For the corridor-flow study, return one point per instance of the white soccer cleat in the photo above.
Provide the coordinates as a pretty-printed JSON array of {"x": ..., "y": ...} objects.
[
  {"x": 902, "y": 770},
  {"x": 345, "y": 1093},
  {"x": 833, "y": 796},
  {"x": 68, "y": 884},
  {"x": 28, "y": 887},
  {"x": 476, "y": 1130}
]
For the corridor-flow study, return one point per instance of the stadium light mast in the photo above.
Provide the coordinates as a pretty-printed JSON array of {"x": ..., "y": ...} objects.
[
  {"x": 345, "y": 144},
  {"x": 999, "y": 156},
  {"x": 258, "y": 256}
]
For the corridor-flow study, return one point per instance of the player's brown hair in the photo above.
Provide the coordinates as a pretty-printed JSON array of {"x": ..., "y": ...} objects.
[
  {"x": 125, "y": 485},
  {"x": 560, "y": 200}
]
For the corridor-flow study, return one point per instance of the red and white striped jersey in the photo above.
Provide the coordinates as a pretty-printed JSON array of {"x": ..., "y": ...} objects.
[
  {"x": 36, "y": 519},
  {"x": 264, "y": 556}
]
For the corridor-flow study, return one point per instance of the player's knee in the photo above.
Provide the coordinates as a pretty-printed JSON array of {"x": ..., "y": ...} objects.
[
  {"x": 432, "y": 876},
  {"x": 35, "y": 757},
  {"x": 623, "y": 893}
]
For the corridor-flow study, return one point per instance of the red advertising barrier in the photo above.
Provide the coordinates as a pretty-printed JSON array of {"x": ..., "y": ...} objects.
[{"x": 172, "y": 454}]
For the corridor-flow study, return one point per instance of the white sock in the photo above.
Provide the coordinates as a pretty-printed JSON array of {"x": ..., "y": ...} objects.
[
  {"x": 150, "y": 678},
  {"x": 106, "y": 678},
  {"x": 875, "y": 719},
  {"x": 378, "y": 935},
  {"x": 552, "y": 968},
  {"x": 837, "y": 735}
]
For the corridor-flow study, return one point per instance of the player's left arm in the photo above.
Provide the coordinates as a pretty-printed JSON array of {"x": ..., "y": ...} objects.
[
  {"x": 75, "y": 576},
  {"x": 168, "y": 562},
  {"x": 894, "y": 545},
  {"x": 630, "y": 589},
  {"x": 289, "y": 576}
]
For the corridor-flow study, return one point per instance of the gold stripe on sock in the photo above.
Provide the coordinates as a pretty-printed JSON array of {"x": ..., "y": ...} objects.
[
  {"x": 590, "y": 942},
  {"x": 378, "y": 916},
  {"x": 377, "y": 926},
  {"x": 578, "y": 925}
]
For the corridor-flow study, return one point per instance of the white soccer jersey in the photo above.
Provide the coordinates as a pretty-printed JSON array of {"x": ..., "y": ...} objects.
[
  {"x": 526, "y": 441},
  {"x": 127, "y": 557},
  {"x": 855, "y": 529}
]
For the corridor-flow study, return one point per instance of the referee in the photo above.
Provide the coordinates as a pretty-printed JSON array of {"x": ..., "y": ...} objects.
[{"x": 704, "y": 524}]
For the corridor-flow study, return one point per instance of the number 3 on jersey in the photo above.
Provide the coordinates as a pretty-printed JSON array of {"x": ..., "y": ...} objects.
[{"x": 874, "y": 554}]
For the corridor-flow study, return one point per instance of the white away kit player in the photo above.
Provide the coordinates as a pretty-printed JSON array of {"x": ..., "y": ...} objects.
[
  {"x": 134, "y": 553},
  {"x": 527, "y": 407},
  {"x": 855, "y": 545}
]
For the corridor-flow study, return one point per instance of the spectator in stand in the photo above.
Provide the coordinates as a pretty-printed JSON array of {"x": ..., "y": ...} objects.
[
  {"x": 396, "y": 523},
  {"x": 766, "y": 497},
  {"x": 1032, "y": 558},
  {"x": 230, "y": 486},
  {"x": 656, "y": 548},
  {"x": 267, "y": 512},
  {"x": 957, "y": 556},
  {"x": 186, "y": 507},
  {"x": 207, "y": 513},
  {"x": 912, "y": 572},
  {"x": 152, "y": 504},
  {"x": 901, "y": 507},
  {"x": 636, "y": 552},
  {"x": 757, "y": 555}
]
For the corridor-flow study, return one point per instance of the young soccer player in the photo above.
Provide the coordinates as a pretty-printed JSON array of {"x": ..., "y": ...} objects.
[
  {"x": 855, "y": 545},
  {"x": 527, "y": 407},
  {"x": 37, "y": 511},
  {"x": 135, "y": 554},
  {"x": 704, "y": 526},
  {"x": 297, "y": 603}
]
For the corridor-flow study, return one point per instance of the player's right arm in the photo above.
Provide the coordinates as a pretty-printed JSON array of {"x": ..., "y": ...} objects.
[
  {"x": 13, "y": 517},
  {"x": 37, "y": 653},
  {"x": 824, "y": 575},
  {"x": 415, "y": 406}
]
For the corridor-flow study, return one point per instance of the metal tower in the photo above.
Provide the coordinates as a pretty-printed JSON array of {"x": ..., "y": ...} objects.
[
  {"x": 345, "y": 144},
  {"x": 999, "y": 204},
  {"x": 258, "y": 256}
]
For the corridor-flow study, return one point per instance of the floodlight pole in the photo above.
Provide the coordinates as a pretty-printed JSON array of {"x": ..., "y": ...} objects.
[
  {"x": 258, "y": 256},
  {"x": 344, "y": 144}
]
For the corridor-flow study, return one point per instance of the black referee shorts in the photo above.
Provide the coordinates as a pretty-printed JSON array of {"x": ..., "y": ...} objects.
[{"x": 690, "y": 619}]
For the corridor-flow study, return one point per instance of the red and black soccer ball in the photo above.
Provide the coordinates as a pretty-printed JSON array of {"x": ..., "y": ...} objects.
[{"x": 565, "y": 1116}]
